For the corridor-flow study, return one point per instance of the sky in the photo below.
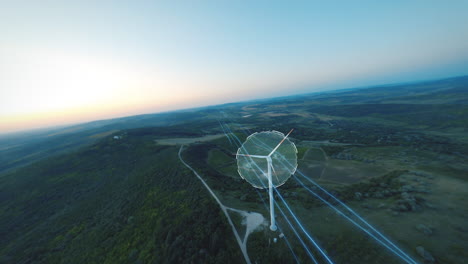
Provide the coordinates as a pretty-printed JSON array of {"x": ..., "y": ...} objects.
[{"x": 63, "y": 62}]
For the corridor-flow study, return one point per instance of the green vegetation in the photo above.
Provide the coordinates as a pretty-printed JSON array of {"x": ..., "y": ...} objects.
[
  {"x": 217, "y": 158},
  {"x": 300, "y": 152},
  {"x": 315, "y": 154},
  {"x": 397, "y": 155},
  {"x": 118, "y": 201}
]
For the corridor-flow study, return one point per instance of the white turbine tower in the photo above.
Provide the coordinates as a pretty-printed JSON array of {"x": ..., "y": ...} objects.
[{"x": 256, "y": 159}]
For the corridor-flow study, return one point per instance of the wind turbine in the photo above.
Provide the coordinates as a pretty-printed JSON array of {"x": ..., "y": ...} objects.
[{"x": 254, "y": 172}]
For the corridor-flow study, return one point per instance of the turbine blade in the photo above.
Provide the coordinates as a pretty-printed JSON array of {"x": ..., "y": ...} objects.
[
  {"x": 281, "y": 142},
  {"x": 252, "y": 156}
]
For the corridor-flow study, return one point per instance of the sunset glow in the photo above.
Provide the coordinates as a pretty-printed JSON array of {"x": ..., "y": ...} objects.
[{"x": 67, "y": 63}]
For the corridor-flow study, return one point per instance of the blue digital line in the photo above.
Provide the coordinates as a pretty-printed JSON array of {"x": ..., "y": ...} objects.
[
  {"x": 224, "y": 131},
  {"x": 279, "y": 227},
  {"x": 281, "y": 230},
  {"x": 297, "y": 221},
  {"x": 396, "y": 250},
  {"x": 407, "y": 258},
  {"x": 289, "y": 223},
  {"x": 351, "y": 220},
  {"x": 297, "y": 235},
  {"x": 303, "y": 229}
]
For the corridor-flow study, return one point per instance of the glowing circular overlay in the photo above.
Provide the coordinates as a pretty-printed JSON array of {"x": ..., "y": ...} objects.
[{"x": 255, "y": 169}]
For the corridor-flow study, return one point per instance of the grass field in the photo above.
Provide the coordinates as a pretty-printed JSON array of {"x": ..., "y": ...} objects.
[{"x": 344, "y": 171}]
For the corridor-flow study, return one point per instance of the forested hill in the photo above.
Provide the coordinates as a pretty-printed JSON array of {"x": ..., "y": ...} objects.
[{"x": 118, "y": 201}]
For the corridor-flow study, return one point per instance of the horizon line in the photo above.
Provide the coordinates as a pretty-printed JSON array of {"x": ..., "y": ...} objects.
[{"x": 69, "y": 125}]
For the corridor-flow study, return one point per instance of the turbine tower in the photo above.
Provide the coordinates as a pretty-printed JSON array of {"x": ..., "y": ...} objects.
[{"x": 257, "y": 160}]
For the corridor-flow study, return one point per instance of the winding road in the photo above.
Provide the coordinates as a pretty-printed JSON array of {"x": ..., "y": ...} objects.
[{"x": 252, "y": 220}]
